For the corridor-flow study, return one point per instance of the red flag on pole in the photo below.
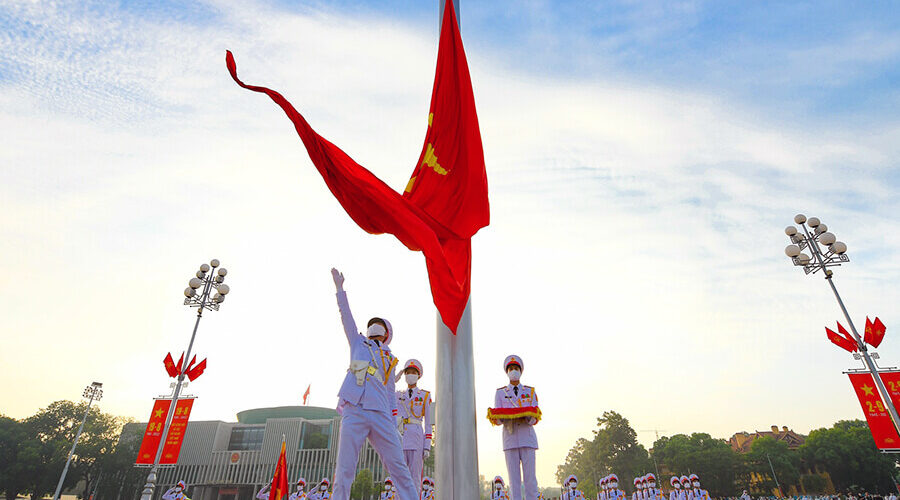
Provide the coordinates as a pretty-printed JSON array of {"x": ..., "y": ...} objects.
[
  {"x": 840, "y": 340},
  {"x": 306, "y": 394},
  {"x": 196, "y": 371},
  {"x": 445, "y": 202},
  {"x": 180, "y": 363},
  {"x": 191, "y": 364},
  {"x": 170, "y": 366},
  {"x": 279, "y": 488},
  {"x": 874, "y": 332}
]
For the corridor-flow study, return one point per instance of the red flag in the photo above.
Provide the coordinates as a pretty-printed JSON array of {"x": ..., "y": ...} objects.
[
  {"x": 445, "y": 202},
  {"x": 153, "y": 432},
  {"x": 177, "y": 428},
  {"x": 874, "y": 332},
  {"x": 191, "y": 364},
  {"x": 279, "y": 488},
  {"x": 180, "y": 362},
  {"x": 170, "y": 366},
  {"x": 877, "y": 417},
  {"x": 840, "y": 340},
  {"x": 197, "y": 370},
  {"x": 306, "y": 394}
]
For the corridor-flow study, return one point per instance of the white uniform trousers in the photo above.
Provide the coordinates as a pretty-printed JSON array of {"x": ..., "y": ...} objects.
[
  {"x": 525, "y": 457},
  {"x": 358, "y": 424},
  {"x": 416, "y": 463}
]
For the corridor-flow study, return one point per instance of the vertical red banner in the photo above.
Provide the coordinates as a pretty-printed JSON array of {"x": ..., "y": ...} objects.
[
  {"x": 892, "y": 383},
  {"x": 153, "y": 434},
  {"x": 877, "y": 416},
  {"x": 172, "y": 446}
]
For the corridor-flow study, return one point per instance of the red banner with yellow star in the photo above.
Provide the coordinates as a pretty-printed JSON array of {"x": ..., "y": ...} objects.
[
  {"x": 876, "y": 413},
  {"x": 153, "y": 433}
]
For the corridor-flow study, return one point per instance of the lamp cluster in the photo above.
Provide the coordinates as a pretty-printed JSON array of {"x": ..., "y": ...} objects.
[
  {"x": 209, "y": 279},
  {"x": 813, "y": 238},
  {"x": 93, "y": 391}
]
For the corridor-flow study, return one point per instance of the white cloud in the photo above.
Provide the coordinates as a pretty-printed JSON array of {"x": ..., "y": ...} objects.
[{"x": 634, "y": 259}]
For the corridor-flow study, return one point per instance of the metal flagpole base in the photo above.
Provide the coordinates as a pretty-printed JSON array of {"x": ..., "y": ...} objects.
[{"x": 456, "y": 448}]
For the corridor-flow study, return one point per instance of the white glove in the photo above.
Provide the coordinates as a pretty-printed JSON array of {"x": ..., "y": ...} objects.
[
  {"x": 338, "y": 279},
  {"x": 425, "y": 454}
]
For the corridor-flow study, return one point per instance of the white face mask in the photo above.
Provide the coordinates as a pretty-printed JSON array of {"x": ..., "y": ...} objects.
[
  {"x": 497, "y": 486},
  {"x": 376, "y": 330},
  {"x": 614, "y": 485},
  {"x": 323, "y": 487},
  {"x": 573, "y": 484},
  {"x": 514, "y": 375},
  {"x": 677, "y": 486},
  {"x": 696, "y": 484},
  {"x": 411, "y": 378},
  {"x": 387, "y": 487}
]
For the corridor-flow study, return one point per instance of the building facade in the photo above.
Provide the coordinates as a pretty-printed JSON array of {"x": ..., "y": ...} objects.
[{"x": 233, "y": 460}]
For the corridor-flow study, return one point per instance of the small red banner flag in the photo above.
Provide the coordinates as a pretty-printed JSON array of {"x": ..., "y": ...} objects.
[
  {"x": 279, "y": 488},
  {"x": 877, "y": 417},
  {"x": 172, "y": 446},
  {"x": 892, "y": 383},
  {"x": 170, "y": 366},
  {"x": 840, "y": 340},
  {"x": 874, "y": 332},
  {"x": 180, "y": 364},
  {"x": 306, "y": 394},
  {"x": 153, "y": 433},
  {"x": 197, "y": 370}
]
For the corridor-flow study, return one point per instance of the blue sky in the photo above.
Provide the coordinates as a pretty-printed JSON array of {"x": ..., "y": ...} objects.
[{"x": 643, "y": 159}]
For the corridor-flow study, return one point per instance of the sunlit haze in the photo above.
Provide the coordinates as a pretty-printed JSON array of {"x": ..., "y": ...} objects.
[{"x": 643, "y": 160}]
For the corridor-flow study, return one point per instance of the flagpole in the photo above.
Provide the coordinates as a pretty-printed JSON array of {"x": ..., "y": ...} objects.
[{"x": 456, "y": 452}]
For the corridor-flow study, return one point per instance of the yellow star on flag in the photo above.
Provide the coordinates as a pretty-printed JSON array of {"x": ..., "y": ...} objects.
[
  {"x": 158, "y": 413},
  {"x": 867, "y": 390}
]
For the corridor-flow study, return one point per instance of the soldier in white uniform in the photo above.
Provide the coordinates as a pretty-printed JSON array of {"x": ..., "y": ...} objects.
[
  {"x": 698, "y": 493},
  {"x": 676, "y": 488},
  {"x": 601, "y": 488},
  {"x": 653, "y": 492},
  {"x": 368, "y": 405},
  {"x": 571, "y": 489},
  {"x": 414, "y": 406},
  {"x": 638, "y": 493},
  {"x": 519, "y": 439},
  {"x": 686, "y": 493},
  {"x": 321, "y": 490},
  {"x": 388, "y": 493},
  {"x": 176, "y": 492},
  {"x": 300, "y": 494},
  {"x": 427, "y": 489},
  {"x": 498, "y": 492},
  {"x": 612, "y": 490}
]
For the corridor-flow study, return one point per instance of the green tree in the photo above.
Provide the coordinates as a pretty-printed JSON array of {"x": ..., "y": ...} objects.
[
  {"x": 614, "y": 448},
  {"x": 12, "y": 436},
  {"x": 119, "y": 477},
  {"x": 785, "y": 462},
  {"x": 848, "y": 453},
  {"x": 718, "y": 466},
  {"x": 363, "y": 485}
]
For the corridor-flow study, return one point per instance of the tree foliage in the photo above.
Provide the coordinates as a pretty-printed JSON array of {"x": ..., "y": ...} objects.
[
  {"x": 363, "y": 485},
  {"x": 847, "y": 451},
  {"x": 767, "y": 454},
  {"x": 710, "y": 458},
  {"x": 614, "y": 448}
]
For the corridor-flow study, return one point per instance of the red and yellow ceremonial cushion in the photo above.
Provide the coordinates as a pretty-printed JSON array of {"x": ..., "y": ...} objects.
[{"x": 497, "y": 414}]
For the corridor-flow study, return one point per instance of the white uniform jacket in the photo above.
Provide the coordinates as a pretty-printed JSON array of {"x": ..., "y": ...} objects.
[
  {"x": 298, "y": 496},
  {"x": 171, "y": 495},
  {"x": 499, "y": 495},
  {"x": 427, "y": 495},
  {"x": 518, "y": 433},
  {"x": 414, "y": 406},
  {"x": 572, "y": 495},
  {"x": 615, "y": 494},
  {"x": 369, "y": 382},
  {"x": 700, "y": 494}
]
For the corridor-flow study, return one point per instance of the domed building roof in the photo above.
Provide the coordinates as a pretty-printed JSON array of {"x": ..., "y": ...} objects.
[{"x": 259, "y": 415}]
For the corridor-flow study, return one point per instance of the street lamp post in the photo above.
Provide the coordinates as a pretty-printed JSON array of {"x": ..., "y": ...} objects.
[
  {"x": 209, "y": 279},
  {"x": 91, "y": 393},
  {"x": 833, "y": 255}
]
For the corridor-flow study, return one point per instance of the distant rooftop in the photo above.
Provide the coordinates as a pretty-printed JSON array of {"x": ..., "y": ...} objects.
[{"x": 259, "y": 415}]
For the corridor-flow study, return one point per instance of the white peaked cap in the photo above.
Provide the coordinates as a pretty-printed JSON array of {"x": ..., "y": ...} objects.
[
  {"x": 415, "y": 364},
  {"x": 512, "y": 358}
]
